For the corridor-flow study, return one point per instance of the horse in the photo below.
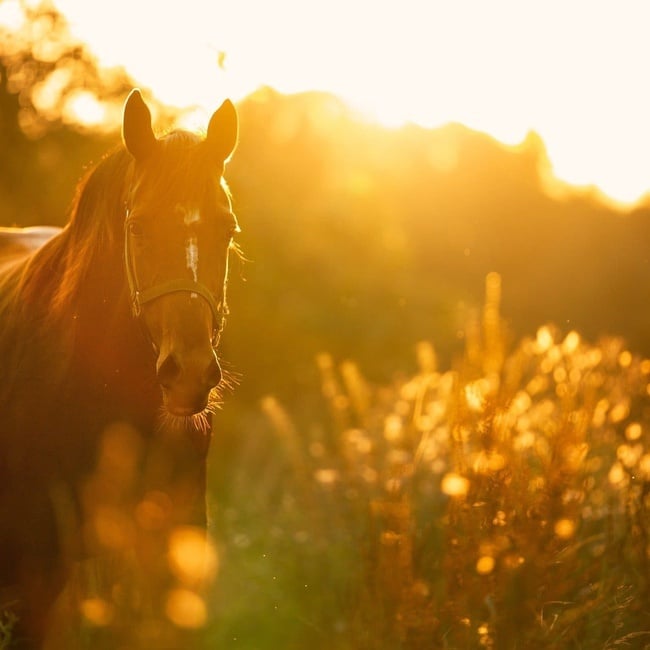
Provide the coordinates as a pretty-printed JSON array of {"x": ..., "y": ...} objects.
[{"x": 109, "y": 372}]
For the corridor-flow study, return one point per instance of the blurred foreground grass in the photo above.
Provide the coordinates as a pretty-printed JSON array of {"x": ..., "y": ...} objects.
[{"x": 502, "y": 504}]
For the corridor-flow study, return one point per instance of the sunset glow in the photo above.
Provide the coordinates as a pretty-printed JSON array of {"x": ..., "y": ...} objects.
[{"x": 573, "y": 72}]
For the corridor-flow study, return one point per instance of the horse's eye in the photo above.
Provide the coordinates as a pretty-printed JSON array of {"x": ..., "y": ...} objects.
[{"x": 135, "y": 229}]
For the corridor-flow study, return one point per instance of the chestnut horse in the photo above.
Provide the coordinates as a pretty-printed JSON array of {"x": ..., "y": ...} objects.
[{"x": 108, "y": 332}]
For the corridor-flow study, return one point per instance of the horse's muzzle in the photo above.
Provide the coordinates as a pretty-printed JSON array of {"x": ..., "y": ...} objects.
[{"x": 187, "y": 380}]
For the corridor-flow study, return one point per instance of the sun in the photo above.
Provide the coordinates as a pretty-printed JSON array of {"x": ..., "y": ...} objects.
[{"x": 572, "y": 72}]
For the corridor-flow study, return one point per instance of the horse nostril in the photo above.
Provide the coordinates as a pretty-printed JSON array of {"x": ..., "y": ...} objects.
[
  {"x": 167, "y": 370},
  {"x": 213, "y": 373}
]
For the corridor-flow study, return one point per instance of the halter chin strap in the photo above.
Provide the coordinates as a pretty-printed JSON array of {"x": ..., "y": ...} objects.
[{"x": 140, "y": 296}]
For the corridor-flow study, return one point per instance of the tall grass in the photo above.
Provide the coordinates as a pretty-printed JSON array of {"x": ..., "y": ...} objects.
[
  {"x": 502, "y": 503},
  {"x": 7, "y": 624}
]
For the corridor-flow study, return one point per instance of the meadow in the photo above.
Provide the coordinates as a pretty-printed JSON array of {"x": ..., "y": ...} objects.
[
  {"x": 487, "y": 487},
  {"x": 499, "y": 503}
]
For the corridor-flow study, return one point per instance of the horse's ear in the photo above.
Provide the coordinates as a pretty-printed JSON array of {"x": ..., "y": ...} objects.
[
  {"x": 222, "y": 132},
  {"x": 137, "y": 133}
]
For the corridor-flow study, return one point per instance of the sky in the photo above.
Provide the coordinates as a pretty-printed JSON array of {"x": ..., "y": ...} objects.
[{"x": 576, "y": 72}]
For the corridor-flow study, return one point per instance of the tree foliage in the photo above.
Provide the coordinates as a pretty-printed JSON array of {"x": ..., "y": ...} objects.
[{"x": 44, "y": 75}]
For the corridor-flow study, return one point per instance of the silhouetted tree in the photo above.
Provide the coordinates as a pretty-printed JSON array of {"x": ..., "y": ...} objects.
[{"x": 42, "y": 149}]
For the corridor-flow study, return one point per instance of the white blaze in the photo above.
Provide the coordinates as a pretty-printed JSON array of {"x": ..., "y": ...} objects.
[
  {"x": 191, "y": 217},
  {"x": 192, "y": 256}
]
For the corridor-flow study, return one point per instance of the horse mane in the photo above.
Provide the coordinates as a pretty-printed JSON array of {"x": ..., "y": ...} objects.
[{"x": 53, "y": 274}]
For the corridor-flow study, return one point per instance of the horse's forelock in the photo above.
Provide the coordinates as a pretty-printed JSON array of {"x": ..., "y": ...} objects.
[{"x": 182, "y": 168}]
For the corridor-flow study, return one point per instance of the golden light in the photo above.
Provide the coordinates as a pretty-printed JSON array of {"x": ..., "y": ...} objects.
[
  {"x": 153, "y": 511},
  {"x": 488, "y": 462},
  {"x": 485, "y": 565},
  {"x": 486, "y": 65},
  {"x": 82, "y": 107},
  {"x": 475, "y": 394},
  {"x": 186, "y": 609},
  {"x": 617, "y": 475},
  {"x": 119, "y": 451},
  {"x": 644, "y": 467},
  {"x": 192, "y": 557},
  {"x": 633, "y": 431},
  {"x": 393, "y": 428},
  {"x": 629, "y": 455},
  {"x": 625, "y": 359},
  {"x": 426, "y": 356},
  {"x": 544, "y": 339},
  {"x": 521, "y": 402},
  {"x": 565, "y": 528},
  {"x": 97, "y": 611},
  {"x": 112, "y": 528},
  {"x": 11, "y": 15},
  {"x": 571, "y": 342},
  {"x": 513, "y": 561},
  {"x": 326, "y": 476},
  {"x": 454, "y": 485},
  {"x": 620, "y": 411}
]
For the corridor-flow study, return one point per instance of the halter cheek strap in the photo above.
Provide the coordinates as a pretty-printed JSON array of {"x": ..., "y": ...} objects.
[{"x": 140, "y": 296}]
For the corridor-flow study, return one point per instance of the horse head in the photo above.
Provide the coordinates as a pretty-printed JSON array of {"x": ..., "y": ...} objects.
[{"x": 179, "y": 227}]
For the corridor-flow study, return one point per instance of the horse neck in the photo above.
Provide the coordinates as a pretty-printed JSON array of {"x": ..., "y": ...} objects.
[{"x": 107, "y": 332}]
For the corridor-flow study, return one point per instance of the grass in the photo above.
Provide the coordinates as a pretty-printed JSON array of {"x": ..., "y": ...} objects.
[
  {"x": 7, "y": 623},
  {"x": 502, "y": 503}
]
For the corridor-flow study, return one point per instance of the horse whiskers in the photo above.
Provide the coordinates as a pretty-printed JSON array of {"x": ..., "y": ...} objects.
[
  {"x": 215, "y": 402},
  {"x": 230, "y": 379},
  {"x": 201, "y": 422}
]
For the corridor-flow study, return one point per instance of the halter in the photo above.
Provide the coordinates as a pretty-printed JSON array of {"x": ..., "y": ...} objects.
[{"x": 141, "y": 296}]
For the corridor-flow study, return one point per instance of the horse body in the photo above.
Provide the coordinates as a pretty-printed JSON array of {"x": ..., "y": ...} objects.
[{"x": 103, "y": 429}]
